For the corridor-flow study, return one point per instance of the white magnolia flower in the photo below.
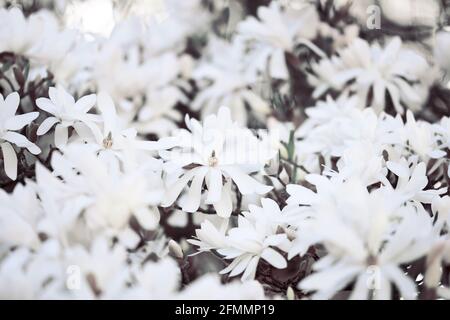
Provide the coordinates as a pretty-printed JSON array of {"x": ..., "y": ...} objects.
[
  {"x": 25, "y": 274},
  {"x": 438, "y": 256},
  {"x": 367, "y": 237},
  {"x": 105, "y": 196},
  {"x": 362, "y": 68},
  {"x": 158, "y": 280},
  {"x": 209, "y": 237},
  {"x": 17, "y": 34},
  {"x": 30, "y": 35},
  {"x": 277, "y": 31},
  {"x": 255, "y": 237},
  {"x": 217, "y": 153},
  {"x": 148, "y": 97},
  {"x": 9, "y": 123},
  {"x": 112, "y": 138},
  {"x": 412, "y": 180},
  {"x": 227, "y": 67},
  {"x": 334, "y": 126},
  {"x": 422, "y": 138},
  {"x": 66, "y": 113},
  {"x": 102, "y": 269}
]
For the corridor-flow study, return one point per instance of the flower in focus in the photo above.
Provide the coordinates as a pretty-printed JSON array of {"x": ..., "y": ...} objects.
[
  {"x": 256, "y": 236},
  {"x": 218, "y": 152}
]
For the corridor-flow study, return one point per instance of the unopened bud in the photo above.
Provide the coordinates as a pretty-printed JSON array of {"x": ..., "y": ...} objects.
[
  {"x": 290, "y": 295},
  {"x": 175, "y": 249}
]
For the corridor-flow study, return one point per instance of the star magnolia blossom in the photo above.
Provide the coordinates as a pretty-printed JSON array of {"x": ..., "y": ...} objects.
[
  {"x": 276, "y": 32},
  {"x": 256, "y": 236},
  {"x": 110, "y": 137},
  {"x": 103, "y": 194},
  {"x": 362, "y": 67},
  {"x": 367, "y": 237},
  {"x": 231, "y": 83},
  {"x": 9, "y": 123},
  {"x": 66, "y": 113},
  {"x": 216, "y": 152}
]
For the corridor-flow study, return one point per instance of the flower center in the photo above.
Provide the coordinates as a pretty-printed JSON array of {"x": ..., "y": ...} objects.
[
  {"x": 212, "y": 161},
  {"x": 108, "y": 141}
]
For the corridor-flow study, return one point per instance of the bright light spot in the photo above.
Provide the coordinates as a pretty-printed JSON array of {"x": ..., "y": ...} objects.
[{"x": 91, "y": 16}]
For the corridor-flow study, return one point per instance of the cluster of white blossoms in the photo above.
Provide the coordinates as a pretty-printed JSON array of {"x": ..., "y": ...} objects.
[{"x": 282, "y": 154}]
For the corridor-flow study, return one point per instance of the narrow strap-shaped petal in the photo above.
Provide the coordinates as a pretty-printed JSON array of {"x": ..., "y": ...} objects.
[
  {"x": 61, "y": 135},
  {"x": 12, "y": 103},
  {"x": 214, "y": 185},
  {"x": 194, "y": 195},
  {"x": 46, "y": 125},
  {"x": 274, "y": 258},
  {"x": 9, "y": 160},
  {"x": 245, "y": 183},
  {"x": 20, "y": 121}
]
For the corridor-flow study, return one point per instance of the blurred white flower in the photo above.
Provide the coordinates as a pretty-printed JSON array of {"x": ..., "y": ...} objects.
[
  {"x": 367, "y": 237},
  {"x": 102, "y": 194},
  {"x": 209, "y": 287},
  {"x": 19, "y": 217},
  {"x": 102, "y": 269},
  {"x": 277, "y": 31},
  {"x": 422, "y": 138},
  {"x": 362, "y": 68},
  {"x": 226, "y": 66}
]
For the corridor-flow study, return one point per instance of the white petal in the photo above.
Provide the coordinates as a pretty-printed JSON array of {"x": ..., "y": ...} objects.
[
  {"x": 195, "y": 192},
  {"x": 300, "y": 195},
  {"x": 224, "y": 206},
  {"x": 278, "y": 67},
  {"x": 176, "y": 188},
  {"x": 214, "y": 185},
  {"x": 148, "y": 218},
  {"x": 108, "y": 111},
  {"x": 46, "y": 105},
  {"x": 240, "y": 267},
  {"x": 46, "y": 125},
  {"x": 86, "y": 103},
  {"x": 20, "y": 121},
  {"x": 61, "y": 135},
  {"x": 360, "y": 289},
  {"x": 398, "y": 169},
  {"x": 405, "y": 284},
  {"x": 250, "y": 271},
  {"x": 9, "y": 160},
  {"x": 231, "y": 266},
  {"x": 246, "y": 184},
  {"x": 21, "y": 141},
  {"x": 12, "y": 103},
  {"x": 274, "y": 258}
]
